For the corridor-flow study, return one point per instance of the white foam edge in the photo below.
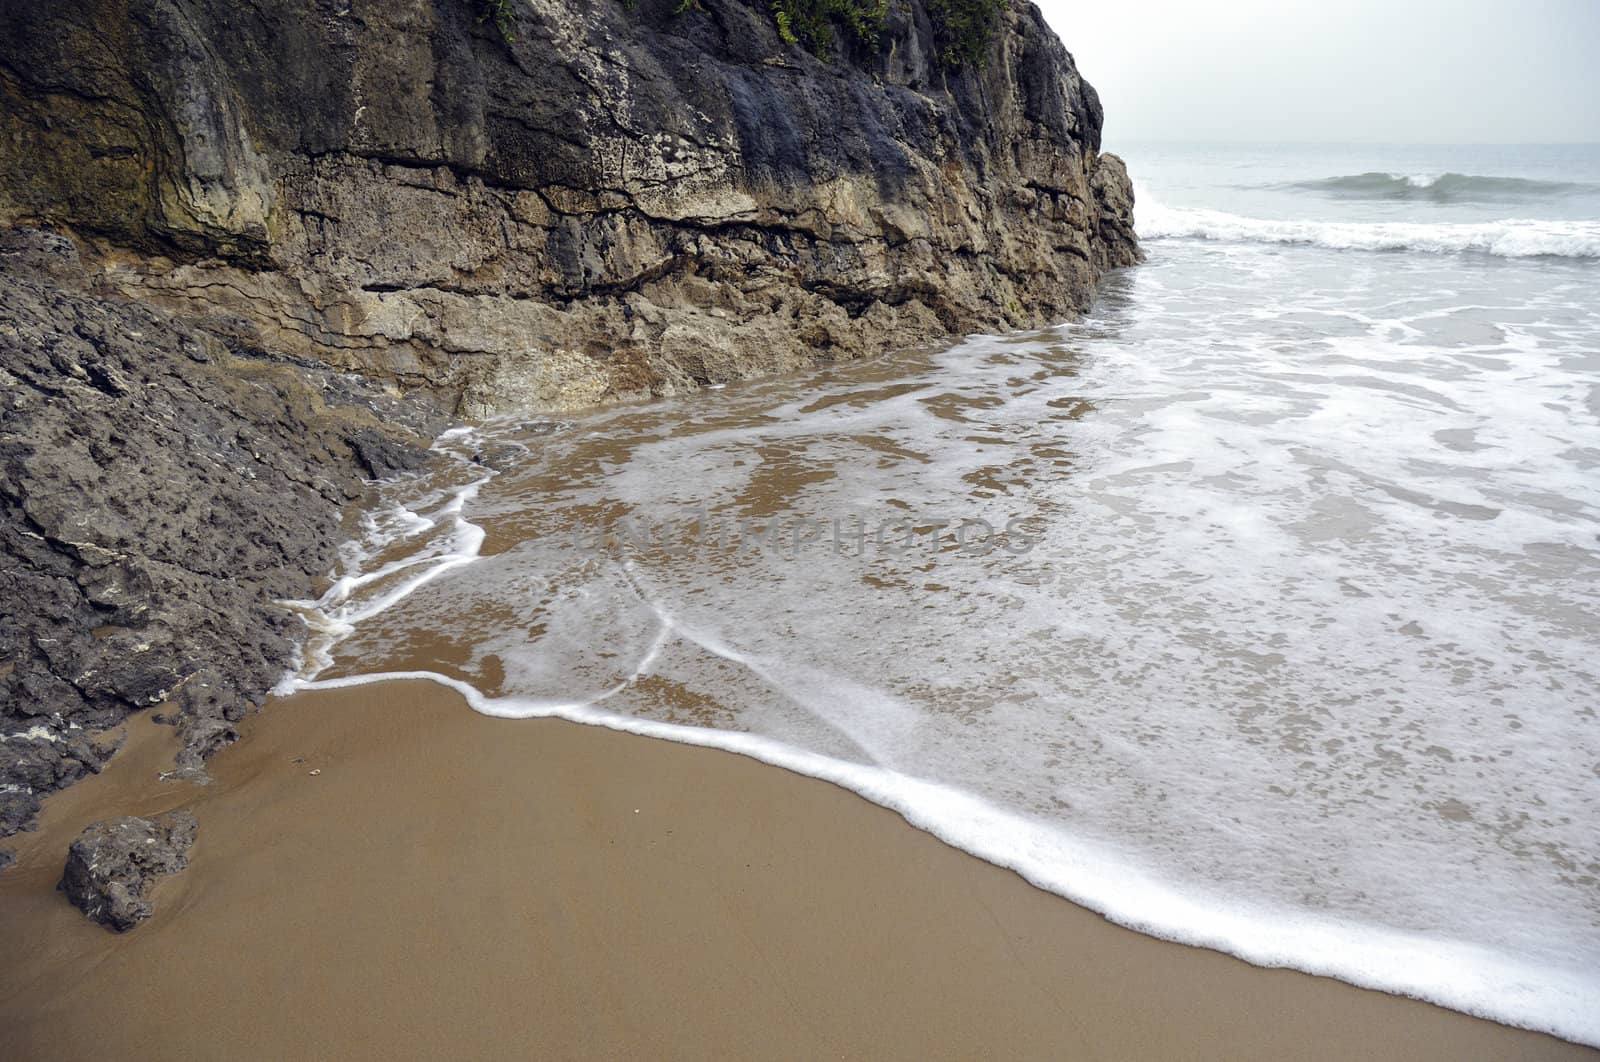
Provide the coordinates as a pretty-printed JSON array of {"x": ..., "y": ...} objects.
[
  {"x": 331, "y": 624},
  {"x": 1472, "y": 980}
]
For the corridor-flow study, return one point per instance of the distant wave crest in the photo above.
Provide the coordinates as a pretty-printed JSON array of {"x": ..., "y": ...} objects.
[
  {"x": 1504, "y": 239},
  {"x": 1440, "y": 188}
]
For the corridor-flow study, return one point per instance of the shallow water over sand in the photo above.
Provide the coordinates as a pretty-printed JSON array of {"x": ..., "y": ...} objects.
[{"x": 1257, "y": 610}]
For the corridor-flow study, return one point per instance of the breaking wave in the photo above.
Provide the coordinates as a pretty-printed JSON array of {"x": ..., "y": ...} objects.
[
  {"x": 1439, "y": 188},
  {"x": 1513, "y": 238}
]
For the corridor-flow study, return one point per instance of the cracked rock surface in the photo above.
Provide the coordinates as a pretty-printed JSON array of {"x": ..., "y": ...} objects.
[
  {"x": 112, "y": 865},
  {"x": 620, "y": 200},
  {"x": 159, "y": 491}
]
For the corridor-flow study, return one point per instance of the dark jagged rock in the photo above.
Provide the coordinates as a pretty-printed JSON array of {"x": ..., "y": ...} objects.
[
  {"x": 158, "y": 492},
  {"x": 383, "y": 456},
  {"x": 620, "y": 199},
  {"x": 112, "y": 865},
  {"x": 42, "y": 759},
  {"x": 17, "y": 810}
]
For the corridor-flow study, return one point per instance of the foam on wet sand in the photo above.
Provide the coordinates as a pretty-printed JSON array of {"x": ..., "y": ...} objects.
[{"x": 449, "y": 884}]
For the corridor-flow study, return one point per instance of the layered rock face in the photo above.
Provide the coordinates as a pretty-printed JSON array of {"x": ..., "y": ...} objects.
[{"x": 617, "y": 201}]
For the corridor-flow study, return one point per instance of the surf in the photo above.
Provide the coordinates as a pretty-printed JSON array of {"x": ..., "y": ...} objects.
[
  {"x": 1509, "y": 238},
  {"x": 1448, "y": 187}
]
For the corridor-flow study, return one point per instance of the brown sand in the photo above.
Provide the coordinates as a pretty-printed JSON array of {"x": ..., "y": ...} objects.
[{"x": 456, "y": 886}]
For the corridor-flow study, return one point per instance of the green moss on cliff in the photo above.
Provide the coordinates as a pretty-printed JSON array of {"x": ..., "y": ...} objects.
[
  {"x": 963, "y": 29},
  {"x": 498, "y": 11},
  {"x": 813, "y": 22}
]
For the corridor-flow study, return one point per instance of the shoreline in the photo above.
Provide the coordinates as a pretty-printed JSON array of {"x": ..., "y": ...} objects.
[{"x": 609, "y": 893}]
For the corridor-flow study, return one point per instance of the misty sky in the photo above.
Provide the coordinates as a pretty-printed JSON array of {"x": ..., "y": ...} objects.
[{"x": 1397, "y": 71}]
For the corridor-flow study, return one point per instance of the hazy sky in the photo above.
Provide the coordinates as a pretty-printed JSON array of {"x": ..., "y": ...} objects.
[{"x": 1406, "y": 71}]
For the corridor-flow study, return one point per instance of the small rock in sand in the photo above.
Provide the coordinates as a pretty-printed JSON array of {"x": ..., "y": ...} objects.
[{"x": 112, "y": 864}]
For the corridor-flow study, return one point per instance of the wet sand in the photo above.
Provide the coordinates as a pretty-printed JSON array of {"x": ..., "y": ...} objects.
[{"x": 450, "y": 885}]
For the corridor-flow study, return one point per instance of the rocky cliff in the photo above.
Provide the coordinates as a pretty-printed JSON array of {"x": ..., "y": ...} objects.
[
  {"x": 232, "y": 232},
  {"x": 593, "y": 200}
]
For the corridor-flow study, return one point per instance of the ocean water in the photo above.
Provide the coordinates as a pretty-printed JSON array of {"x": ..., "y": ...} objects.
[{"x": 1259, "y": 609}]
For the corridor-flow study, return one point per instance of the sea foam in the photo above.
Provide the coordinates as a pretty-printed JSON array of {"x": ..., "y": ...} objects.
[
  {"x": 1512, "y": 238},
  {"x": 397, "y": 552}
]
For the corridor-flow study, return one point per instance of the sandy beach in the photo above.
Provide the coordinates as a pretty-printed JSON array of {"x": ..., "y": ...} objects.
[
  {"x": 799, "y": 528},
  {"x": 382, "y": 873}
]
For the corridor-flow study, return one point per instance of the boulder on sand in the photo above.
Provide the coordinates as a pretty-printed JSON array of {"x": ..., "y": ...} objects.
[{"x": 112, "y": 865}]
